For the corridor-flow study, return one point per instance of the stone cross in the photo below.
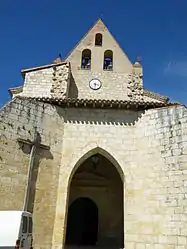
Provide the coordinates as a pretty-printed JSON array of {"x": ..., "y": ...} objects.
[{"x": 36, "y": 143}]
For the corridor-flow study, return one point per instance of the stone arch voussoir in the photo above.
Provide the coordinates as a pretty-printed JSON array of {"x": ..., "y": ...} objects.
[{"x": 80, "y": 155}]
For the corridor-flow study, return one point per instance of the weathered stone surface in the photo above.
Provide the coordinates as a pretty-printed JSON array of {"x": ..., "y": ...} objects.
[
  {"x": 135, "y": 86},
  {"x": 123, "y": 82},
  {"x": 148, "y": 149},
  {"x": 49, "y": 82},
  {"x": 143, "y": 144},
  {"x": 61, "y": 81},
  {"x": 17, "y": 120}
]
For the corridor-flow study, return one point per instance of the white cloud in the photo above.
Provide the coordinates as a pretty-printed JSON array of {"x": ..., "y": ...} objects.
[{"x": 178, "y": 68}]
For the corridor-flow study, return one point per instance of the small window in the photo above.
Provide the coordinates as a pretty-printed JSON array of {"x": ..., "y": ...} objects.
[
  {"x": 86, "y": 59},
  {"x": 24, "y": 224},
  {"x": 98, "y": 40},
  {"x": 108, "y": 60},
  {"x": 30, "y": 225}
]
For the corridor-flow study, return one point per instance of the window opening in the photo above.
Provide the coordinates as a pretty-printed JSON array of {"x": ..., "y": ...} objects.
[
  {"x": 108, "y": 60},
  {"x": 86, "y": 59},
  {"x": 98, "y": 39}
]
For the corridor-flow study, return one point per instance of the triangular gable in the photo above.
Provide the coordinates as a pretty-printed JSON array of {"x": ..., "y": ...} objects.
[
  {"x": 119, "y": 83},
  {"x": 99, "y": 25}
]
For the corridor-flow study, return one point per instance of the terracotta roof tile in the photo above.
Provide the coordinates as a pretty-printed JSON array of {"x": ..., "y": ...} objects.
[
  {"x": 155, "y": 96},
  {"x": 99, "y": 103}
]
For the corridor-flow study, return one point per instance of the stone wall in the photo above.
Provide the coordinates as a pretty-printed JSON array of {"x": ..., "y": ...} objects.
[
  {"x": 156, "y": 188},
  {"x": 49, "y": 82},
  {"x": 17, "y": 120},
  {"x": 149, "y": 150},
  {"x": 114, "y": 85},
  {"x": 121, "y": 63},
  {"x": 59, "y": 82},
  {"x": 115, "y": 82},
  {"x": 123, "y": 82},
  {"x": 86, "y": 132}
]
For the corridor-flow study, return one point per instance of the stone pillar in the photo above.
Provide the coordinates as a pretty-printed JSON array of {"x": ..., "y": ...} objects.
[
  {"x": 60, "y": 81},
  {"x": 58, "y": 240}
]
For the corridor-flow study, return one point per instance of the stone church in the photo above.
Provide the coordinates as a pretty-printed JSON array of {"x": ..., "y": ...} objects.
[{"x": 99, "y": 161}]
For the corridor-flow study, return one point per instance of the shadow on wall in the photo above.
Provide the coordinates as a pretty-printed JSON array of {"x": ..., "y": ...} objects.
[
  {"x": 73, "y": 91},
  {"x": 40, "y": 154},
  {"x": 100, "y": 116}
]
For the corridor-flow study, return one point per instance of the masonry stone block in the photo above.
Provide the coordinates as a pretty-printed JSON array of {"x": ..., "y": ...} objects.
[{"x": 146, "y": 147}]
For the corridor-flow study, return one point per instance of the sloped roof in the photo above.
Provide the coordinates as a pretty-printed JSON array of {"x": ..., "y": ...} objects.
[
  {"x": 102, "y": 104},
  {"x": 155, "y": 96}
]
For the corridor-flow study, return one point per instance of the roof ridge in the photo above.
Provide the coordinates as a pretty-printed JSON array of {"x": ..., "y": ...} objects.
[{"x": 23, "y": 71}]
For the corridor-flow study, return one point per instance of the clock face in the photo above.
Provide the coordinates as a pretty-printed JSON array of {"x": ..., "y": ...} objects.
[{"x": 95, "y": 84}]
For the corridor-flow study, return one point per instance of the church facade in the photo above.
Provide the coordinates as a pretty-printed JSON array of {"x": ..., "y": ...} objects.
[{"x": 110, "y": 162}]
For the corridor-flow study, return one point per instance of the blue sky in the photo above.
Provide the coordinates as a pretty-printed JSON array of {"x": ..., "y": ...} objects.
[{"x": 33, "y": 33}]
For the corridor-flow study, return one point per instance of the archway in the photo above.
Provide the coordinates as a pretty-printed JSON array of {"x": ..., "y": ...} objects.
[
  {"x": 95, "y": 209},
  {"x": 86, "y": 59},
  {"x": 82, "y": 224},
  {"x": 108, "y": 60}
]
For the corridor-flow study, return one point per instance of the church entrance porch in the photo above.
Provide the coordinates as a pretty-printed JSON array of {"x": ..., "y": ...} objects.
[{"x": 95, "y": 210}]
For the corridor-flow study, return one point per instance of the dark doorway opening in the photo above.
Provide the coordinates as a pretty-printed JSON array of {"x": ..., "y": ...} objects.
[{"x": 82, "y": 223}]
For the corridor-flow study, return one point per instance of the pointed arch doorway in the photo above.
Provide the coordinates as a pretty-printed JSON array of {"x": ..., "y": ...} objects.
[{"x": 95, "y": 208}]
